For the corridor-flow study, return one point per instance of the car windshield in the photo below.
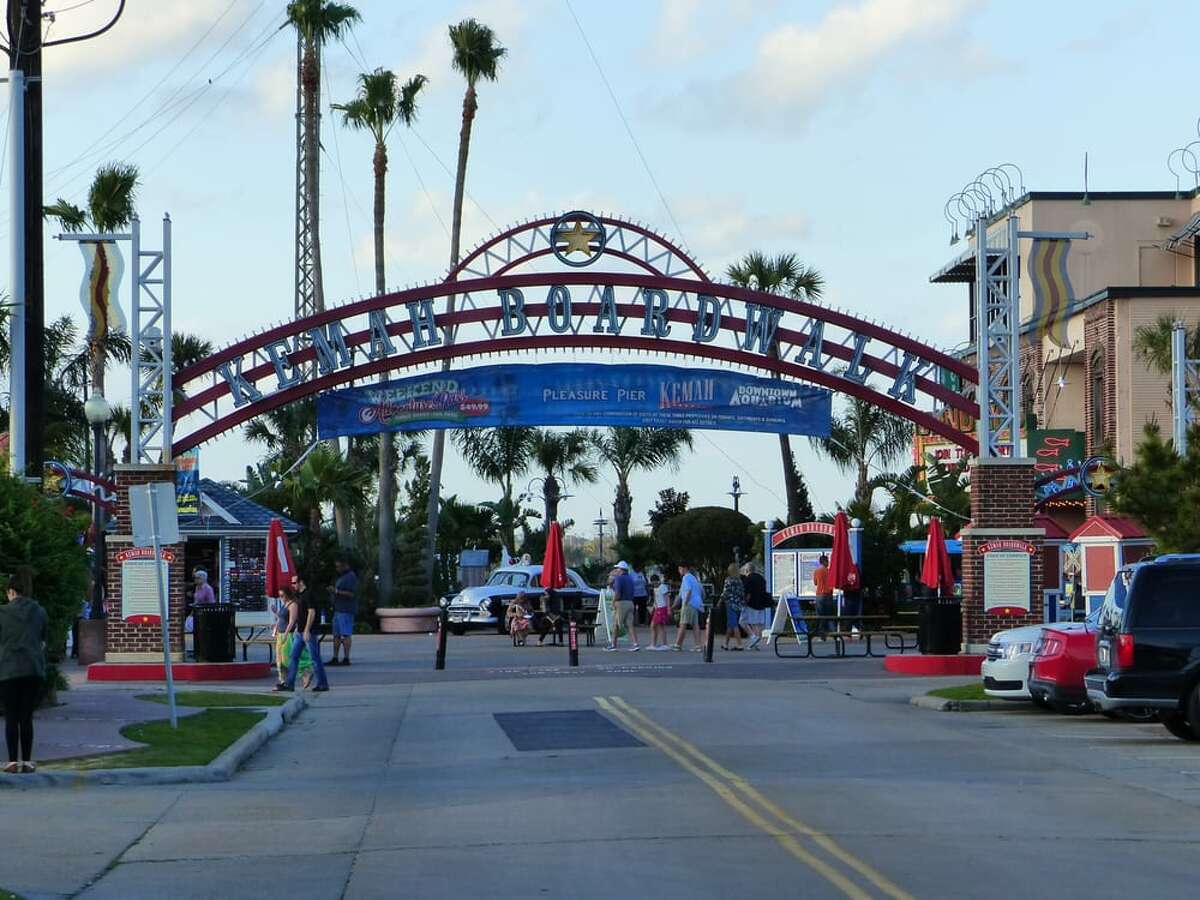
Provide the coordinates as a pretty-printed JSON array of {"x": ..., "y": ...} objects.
[{"x": 514, "y": 579}]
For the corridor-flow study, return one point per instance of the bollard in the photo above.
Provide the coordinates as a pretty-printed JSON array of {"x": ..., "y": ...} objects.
[
  {"x": 712, "y": 632},
  {"x": 440, "y": 662},
  {"x": 572, "y": 641}
]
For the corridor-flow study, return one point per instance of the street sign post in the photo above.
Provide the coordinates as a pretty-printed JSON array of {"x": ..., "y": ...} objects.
[{"x": 155, "y": 522}]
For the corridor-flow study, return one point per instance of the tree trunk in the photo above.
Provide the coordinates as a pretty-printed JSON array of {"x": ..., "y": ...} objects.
[
  {"x": 789, "y": 479},
  {"x": 386, "y": 524},
  {"x": 311, "y": 81},
  {"x": 341, "y": 524},
  {"x": 862, "y": 490},
  {"x": 622, "y": 510},
  {"x": 439, "y": 439}
]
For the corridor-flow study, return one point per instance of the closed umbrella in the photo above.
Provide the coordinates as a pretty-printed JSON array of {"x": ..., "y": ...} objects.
[
  {"x": 840, "y": 561},
  {"x": 280, "y": 568},
  {"x": 936, "y": 572},
  {"x": 554, "y": 565}
]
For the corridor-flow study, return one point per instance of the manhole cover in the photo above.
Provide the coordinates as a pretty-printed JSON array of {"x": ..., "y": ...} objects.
[{"x": 567, "y": 729}]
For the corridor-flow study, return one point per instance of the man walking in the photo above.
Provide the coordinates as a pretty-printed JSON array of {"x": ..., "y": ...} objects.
[
  {"x": 691, "y": 602},
  {"x": 305, "y": 635},
  {"x": 821, "y": 582},
  {"x": 622, "y": 587},
  {"x": 641, "y": 595},
  {"x": 345, "y": 605}
]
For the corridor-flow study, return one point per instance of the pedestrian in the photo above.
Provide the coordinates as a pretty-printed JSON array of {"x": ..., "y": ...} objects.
[
  {"x": 733, "y": 599},
  {"x": 824, "y": 591},
  {"x": 302, "y": 625},
  {"x": 641, "y": 595},
  {"x": 622, "y": 587},
  {"x": 690, "y": 603},
  {"x": 517, "y": 617},
  {"x": 852, "y": 599},
  {"x": 22, "y": 667},
  {"x": 203, "y": 593},
  {"x": 286, "y": 612},
  {"x": 758, "y": 604},
  {"x": 660, "y": 618},
  {"x": 345, "y": 605}
]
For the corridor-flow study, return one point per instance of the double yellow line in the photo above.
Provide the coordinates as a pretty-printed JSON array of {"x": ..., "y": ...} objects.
[{"x": 755, "y": 808}]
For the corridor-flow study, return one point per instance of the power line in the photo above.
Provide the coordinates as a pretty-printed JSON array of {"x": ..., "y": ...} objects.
[
  {"x": 424, "y": 189},
  {"x": 624, "y": 121},
  {"x": 59, "y": 12},
  {"x": 337, "y": 148},
  {"x": 446, "y": 169}
]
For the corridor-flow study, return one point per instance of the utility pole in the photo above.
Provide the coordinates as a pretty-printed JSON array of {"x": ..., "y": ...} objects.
[{"x": 737, "y": 493}]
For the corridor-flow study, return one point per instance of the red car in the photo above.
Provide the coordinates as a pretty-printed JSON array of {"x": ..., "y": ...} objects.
[{"x": 1064, "y": 653}]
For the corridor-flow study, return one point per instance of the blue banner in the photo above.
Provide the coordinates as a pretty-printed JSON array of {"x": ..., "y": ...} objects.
[{"x": 578, "y": 394}]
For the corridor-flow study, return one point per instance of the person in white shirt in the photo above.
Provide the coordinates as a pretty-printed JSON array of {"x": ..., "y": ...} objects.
[{"x": 660, "y": 618}]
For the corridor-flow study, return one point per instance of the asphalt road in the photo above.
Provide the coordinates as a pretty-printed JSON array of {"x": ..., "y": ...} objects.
[{"x": 751, "y": 777}]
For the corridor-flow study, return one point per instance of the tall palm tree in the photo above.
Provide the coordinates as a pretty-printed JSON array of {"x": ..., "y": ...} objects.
[
  {"x": 111, "y": 205},
  {"x": 865, "y": 436},
  {"x": 376, "y": 109},
  {"x": 782, "y": 274},
  {"x": 477, "y": 55},
  {"x": 564, "y": 456},
  {"x": 316, "y": 22},
  {"x": 630, "y": 449},
  {"x": 325, "y": 478},
  {"x": 499, "y": 455}
]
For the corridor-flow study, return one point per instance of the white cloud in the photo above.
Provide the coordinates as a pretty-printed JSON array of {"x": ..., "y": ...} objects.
[{"x": 798, "y": 66}]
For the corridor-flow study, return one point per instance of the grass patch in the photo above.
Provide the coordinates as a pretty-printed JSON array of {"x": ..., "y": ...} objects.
[
  {"x": 972, "y": 691},
  {"x": 197, "y": 741},
  {"x": 9, "y": 895},
  {"x": 216, "y": 700}
]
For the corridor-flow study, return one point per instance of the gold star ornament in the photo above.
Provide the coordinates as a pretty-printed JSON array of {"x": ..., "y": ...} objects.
[{"x": 578, "y": 239}]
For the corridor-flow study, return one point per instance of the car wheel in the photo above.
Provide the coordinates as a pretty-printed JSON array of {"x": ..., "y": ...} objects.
[
  {"x": 458, "y": 630},
  {"x": 1138, "y": 714},
  {"x": 1178, "y": 725},
  {"x": 1071, "y": 709},
  {"x": 1040, "y": 702}
]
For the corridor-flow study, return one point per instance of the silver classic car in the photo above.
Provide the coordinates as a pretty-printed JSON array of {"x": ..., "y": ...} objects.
[{"x": 484, "y": 605}]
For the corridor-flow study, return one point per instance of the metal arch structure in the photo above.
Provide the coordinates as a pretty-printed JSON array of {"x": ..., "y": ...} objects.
[{"x": 640, "y": 295}]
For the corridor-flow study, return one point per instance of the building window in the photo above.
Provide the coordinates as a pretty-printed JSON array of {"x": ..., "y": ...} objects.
[{"x": 1097, "y": 402}]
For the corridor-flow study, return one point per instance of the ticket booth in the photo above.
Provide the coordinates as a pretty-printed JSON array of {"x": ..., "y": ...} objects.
[
  {"x": 1106, "y": 543},
  {"x": 1056, "y": 606}
]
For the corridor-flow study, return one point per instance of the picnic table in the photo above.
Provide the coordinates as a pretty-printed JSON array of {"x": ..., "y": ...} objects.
[{"x": 857, "y": 631}]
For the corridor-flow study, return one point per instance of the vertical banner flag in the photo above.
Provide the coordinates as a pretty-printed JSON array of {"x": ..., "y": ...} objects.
[
  {"x": 1051, "y": 289},
  {"x": 102, "y": 270},
  {"x": 187, "y": 483}
]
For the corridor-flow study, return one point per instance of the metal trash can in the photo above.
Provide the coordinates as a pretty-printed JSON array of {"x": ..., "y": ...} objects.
[
  {"x": 939, "y": 626},
  {"x": 213, "y": 636}
]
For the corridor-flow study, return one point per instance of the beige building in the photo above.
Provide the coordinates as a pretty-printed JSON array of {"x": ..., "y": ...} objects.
[{"x": 1140, "y": 262}]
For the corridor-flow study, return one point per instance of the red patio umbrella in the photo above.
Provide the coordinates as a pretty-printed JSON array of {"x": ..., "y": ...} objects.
[
  {"x": 280, "y": 567},
  {"x": 936, "y": 572},
  {"x": 840, "y": 561},
  {"x": 554, "y": 564}
]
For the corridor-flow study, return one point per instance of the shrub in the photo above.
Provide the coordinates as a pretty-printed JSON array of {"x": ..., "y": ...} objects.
[{"x": 709, "y": 538}]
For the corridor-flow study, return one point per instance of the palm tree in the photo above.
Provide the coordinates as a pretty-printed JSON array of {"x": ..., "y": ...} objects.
[
  {"x": 562, "y": 456},
  {"x": 499, "y": 455},
  {"x": 782, "y": 274},
  {"x": 376, "y": 109},
  {"x": 316, "y": 22},
  {"x": 325, "y": 478},
  {"x": 630, "y": 449},
  {"x": 1152, "y": 344},
  {"x": 865, "y": 436},
  {"x": 111, "y": 206},
  {"x": 477, "y": 55}
]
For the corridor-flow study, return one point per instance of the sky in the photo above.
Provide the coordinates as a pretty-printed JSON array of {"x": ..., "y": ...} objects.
[{"x": 834, "y": 130}]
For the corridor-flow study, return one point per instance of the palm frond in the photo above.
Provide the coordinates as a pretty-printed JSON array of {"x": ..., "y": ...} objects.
[
  {"x": 477, "y": 54},
  {"x": 112, "y": 199}
]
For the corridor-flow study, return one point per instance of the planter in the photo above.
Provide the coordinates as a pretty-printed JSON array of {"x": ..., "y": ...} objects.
[
  {"x": 93, "y": 640},
  {"x": 404, "y": 620}
]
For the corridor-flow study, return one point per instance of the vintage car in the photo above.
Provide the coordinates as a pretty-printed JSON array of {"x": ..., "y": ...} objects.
[{"x": 485, "y": 604}]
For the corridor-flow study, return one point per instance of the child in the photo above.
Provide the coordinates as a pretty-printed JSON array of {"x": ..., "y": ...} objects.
[
  {"x": 518, "y": 619},
  {"x": 660, "y": 618}
]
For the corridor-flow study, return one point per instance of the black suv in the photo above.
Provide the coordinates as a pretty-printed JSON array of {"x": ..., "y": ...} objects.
[{"x": 1148, "y": 653}]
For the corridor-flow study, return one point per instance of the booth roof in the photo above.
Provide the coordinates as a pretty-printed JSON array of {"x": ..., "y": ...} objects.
[{"x": 225, "y": 511}]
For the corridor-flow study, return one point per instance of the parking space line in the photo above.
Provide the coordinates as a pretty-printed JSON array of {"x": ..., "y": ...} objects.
[{"x": 752, "y": 805}]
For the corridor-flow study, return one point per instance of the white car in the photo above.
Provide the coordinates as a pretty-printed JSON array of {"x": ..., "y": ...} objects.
[
  {"x": 1006, "y": 670},
  {"x": 485, "y": 604}
]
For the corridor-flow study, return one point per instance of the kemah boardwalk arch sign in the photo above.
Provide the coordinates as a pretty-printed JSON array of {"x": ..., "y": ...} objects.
[{"x": 565, "y": 286}]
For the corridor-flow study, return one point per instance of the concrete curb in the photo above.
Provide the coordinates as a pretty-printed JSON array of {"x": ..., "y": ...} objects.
[
  {"x": 220, "y": 769},
  {"x": 942, "y": 704}
]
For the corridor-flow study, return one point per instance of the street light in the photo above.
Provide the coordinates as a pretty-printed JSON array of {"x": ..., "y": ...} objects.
[
  {"x": 98, "y": 412},
  {"x": 737, "y": 493}
]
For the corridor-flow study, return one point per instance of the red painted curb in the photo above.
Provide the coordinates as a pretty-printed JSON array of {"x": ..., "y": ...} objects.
[
  {"x": 234, "y": 671},
  {"x": 933, "y": 665}
]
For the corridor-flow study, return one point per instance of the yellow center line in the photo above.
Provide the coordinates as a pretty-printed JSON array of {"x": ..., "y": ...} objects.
[
  {"x": 783, "y": 837},
  {"x": 826, "y": 843}
]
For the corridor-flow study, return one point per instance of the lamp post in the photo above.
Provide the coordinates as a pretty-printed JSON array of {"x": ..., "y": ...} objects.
[
  {"x": 98, "y": 412},
  {"x": 737, "y": 493}
]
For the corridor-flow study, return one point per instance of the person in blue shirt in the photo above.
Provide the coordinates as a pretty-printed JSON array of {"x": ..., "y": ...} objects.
[
  {"x": 690, "y": 605},
  {"x": 626, "y": 620},
  {"x": 345, "y": 605}
]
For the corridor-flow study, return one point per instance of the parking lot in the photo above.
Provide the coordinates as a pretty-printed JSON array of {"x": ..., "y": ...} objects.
[{"x": 510, "y": 775}]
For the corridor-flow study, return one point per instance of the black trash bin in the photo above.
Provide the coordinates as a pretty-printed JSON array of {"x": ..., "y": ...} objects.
[
  {"x": 939, "y": 626},
  {"x": 213, "y": 637}
]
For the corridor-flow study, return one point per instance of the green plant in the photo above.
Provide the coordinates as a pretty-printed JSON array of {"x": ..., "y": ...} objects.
[
  {"x": 629, "y": 450},
  {"x": 709, "y": 538},
  {"x": 1161, "y": 489},
  {"x": 217, "y": 699},
  {"x": 43, "y": 533},
  {"x": 972, "y": 691}
]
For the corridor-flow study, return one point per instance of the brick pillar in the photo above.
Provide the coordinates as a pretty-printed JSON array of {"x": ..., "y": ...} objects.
[
  {"x": 132, "y": 641},
  {"x": 1001, "y": 509}
]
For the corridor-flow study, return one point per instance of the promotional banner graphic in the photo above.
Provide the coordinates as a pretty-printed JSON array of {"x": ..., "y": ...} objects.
[{"x": 578, "y": 394}]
